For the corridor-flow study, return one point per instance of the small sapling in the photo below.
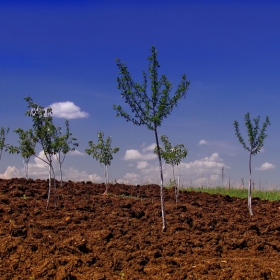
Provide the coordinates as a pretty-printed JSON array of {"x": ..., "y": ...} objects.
[
  {"x": 256, "y": 141},
  {"x": 102, "y": 152},
  {"x": 173, "y": 156}
]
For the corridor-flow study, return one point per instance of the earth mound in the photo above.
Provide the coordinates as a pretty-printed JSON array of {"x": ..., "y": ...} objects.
[{"x": 119, "y": 235}]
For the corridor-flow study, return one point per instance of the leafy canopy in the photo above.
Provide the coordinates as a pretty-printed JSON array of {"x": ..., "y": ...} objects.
[
  {"x": 102, "y": 151},
  {"x": 256, "y": 136},
  {"x": 65, "y": 142},
  {"x": 171, "y": 155},
  {"x": 148, "y": 109},
  {"x": 43, "y": 127},
  {"x": 3, "y": 134},
  {"x": 27, "y": 143}
]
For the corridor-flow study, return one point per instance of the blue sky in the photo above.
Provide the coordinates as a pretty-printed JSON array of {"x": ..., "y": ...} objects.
[{"x": 64, "y": 54}]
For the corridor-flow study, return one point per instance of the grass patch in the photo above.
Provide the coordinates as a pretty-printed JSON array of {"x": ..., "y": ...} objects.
[{"x": 240, "y": 193}]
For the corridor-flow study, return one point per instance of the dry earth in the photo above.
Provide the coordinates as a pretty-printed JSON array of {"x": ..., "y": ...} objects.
[{"x": 119, "y": 236}]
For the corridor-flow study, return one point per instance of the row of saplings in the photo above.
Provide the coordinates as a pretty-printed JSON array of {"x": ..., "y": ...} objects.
[{"x": 147, "y": 109}]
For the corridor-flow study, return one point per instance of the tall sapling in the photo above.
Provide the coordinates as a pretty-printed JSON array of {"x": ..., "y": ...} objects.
[
  {"x": 44, "y": 132},
  {"x": 149, "y": 109},
  {"x": 256, "y": 141}
]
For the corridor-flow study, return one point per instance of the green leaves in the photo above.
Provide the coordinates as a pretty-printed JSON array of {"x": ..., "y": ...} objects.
[
  {"x": 102, "y": 151},
  {"x": 171, "y": 155},
  {"x": 148, "y": 109},
  {"x": 27, "y": 142},
  {"x": 3, "y": 134},
  {"x": 44, "y": 129},
  {"x": 256, "y": 141},
  {"x": 256, "y": 136},
  {"x": 64, "y": 142}
]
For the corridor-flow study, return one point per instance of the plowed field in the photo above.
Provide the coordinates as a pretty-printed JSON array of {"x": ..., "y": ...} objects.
[{"x": 119, "y": 236}]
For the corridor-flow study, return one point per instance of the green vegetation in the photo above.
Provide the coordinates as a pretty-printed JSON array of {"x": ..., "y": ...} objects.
[
  {"x": 149, "y": 109},
  {"x": 65, "y": 143},
  {"x": 49, "y": 137},
  {"x": 26, "y": 148},
  {"x": 173, "y": 156},
  {"x": 256, "y": 141},
  {"x": 240, "y": 193},
  {"x": 102, "y": 152},
  {"x": 3, "y": 135}
]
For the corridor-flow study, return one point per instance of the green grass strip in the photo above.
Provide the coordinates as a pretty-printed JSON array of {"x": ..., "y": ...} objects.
[{"x": 240, "y": 193}]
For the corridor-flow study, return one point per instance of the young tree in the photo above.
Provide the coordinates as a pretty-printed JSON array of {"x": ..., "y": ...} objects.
[
  {"x": 149, "y": 109},
  {"x": 256, "y": 141},
  {"x": 44, "y": 133},
  {"x": 173, "y": 156},
  {"x": 102, "y": 152},
  {"x": 26, "y": 148},
  {"x": 3, "y": 135},
  {"x": 65, "y": 143}
]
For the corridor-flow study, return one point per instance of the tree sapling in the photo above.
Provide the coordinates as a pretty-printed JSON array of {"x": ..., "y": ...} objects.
[
  {"x": 149, "y": 109},
  {"x": 26, "y": 148},
  {"x": 256, "y": 142},
  {"x": 44, "y": 133},
  {"x": 173, "y": 156},
  {"x": 65, "y": 143},
  {"x": 102, "y": 152}
]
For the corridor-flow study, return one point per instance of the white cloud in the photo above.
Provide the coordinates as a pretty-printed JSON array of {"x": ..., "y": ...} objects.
[
  {"x": 142, "y": 164},
  {"x": 149, "y": 148},
  {"x": 202, "y": 142},
  {"x": 130, "y": 178},
  {"x": 38, "y": 169},
  {"x": 39, "y": 161},
  {"x": 266, "y": 166},
  {"x": 42, "y": 172},
  {"x": 205, "y": 171},
  {"x": 135, "y": 154},
  {"x": 96, "y": 178},
  {"x": 212, "y": 162},
  {"x": 67, "y": 110},
  {"x": 12, "y": 172},
  {"x": 76, "y": 153}
]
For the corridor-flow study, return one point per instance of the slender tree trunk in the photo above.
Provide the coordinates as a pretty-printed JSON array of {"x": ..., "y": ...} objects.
[
  {"x": 106, "y": 179},
  {"x": 178, "y": 186},
  {"x": 250, "y": 186},
  {"x": 60, "y": 170},
  {"x": 49, "y": 190},
  {"x": 25, "y": 163},
  {"x": 51, "y": 171},
  {"x": 175, "y": 185},
  {"x": 161, "y": 183},
  {"x": 54, "y": 185}
]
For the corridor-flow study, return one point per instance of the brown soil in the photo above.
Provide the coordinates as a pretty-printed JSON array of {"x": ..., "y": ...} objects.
[{"x": 119, "y": 236}]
